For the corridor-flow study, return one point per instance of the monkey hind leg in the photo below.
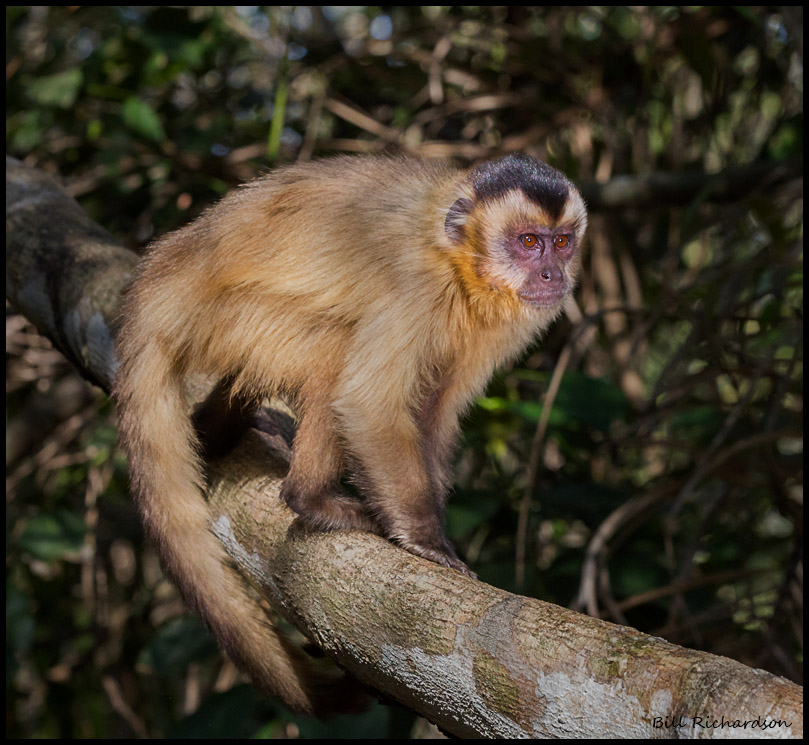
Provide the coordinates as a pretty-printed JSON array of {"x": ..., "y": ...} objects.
[
  {"x": 406, "y": 498},
  {"x": 312, "y": 487}
]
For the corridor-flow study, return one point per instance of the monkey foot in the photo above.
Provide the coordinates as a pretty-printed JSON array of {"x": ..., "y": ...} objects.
[
  {"x": 328, "y": 510},
  {"x": 340, "y": 518}
]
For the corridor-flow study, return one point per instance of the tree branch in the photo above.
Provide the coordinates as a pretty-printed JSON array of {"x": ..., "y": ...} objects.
[
  {"x": 682, "y": 188},
  {"x": 478, "y": 661}
]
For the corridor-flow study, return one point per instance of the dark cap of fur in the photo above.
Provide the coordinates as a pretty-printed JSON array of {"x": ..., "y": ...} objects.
[{"x": 542, "y": 184}]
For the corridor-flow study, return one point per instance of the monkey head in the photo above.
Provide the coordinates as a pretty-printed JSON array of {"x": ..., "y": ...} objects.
[{"x": 518, "y": 231}]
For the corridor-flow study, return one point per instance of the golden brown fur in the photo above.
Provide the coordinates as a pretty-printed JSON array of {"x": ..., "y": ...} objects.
[{"x": 378, "y": 294}]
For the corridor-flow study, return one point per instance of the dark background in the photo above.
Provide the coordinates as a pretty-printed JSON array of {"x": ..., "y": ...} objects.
[{"x": 670, "y": 453}]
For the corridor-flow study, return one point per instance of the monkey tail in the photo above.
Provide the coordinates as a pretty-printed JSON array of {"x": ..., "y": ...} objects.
[{"x": 167, "y": 480}]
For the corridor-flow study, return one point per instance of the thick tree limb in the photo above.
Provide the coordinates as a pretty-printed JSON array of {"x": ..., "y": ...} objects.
[
  {"x": 478, "y": 661},
  {"x": 63, "y": 272}
]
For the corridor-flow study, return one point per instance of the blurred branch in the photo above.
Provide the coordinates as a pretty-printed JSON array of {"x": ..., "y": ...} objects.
[
  {"x": 534, "y": 456},
  {"x": 733, "y": 183},
  {"x": 351, "y": 113},
  {"x": 476, "y": 660}
]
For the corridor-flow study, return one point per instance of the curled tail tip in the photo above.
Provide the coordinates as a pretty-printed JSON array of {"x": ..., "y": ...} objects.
[{"x": 314, "y": 686}]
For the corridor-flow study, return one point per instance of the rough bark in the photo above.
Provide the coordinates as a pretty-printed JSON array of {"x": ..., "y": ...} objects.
[{"x": 478, "y": 661}]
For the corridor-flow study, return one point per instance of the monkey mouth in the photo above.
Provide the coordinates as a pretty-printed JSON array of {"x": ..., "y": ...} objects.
[{"x": 542, "y": 299}]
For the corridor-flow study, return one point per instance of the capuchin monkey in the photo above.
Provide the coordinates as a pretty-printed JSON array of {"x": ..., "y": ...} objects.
[{"x": 377, "y": 294}]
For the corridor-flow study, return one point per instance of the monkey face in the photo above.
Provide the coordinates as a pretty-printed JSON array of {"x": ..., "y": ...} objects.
[
  {"x": 520, "y": 244},
  {"x": 543, "y": 255},
  {"x": 535, "y": 261}
]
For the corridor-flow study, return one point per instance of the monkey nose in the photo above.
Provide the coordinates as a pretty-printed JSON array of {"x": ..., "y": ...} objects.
[{"x": 551, "y": 274}]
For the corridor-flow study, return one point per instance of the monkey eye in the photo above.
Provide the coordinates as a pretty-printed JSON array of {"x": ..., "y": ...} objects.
[
  {"x": 560, "y": 241},
  {"x": 529, "y": 240}
]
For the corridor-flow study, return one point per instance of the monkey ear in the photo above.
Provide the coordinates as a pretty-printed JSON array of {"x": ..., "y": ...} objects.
[{"x": 456, "y": 219}]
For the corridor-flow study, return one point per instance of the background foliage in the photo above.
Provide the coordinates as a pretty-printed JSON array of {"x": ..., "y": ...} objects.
[{"x": 643, "y": 463}]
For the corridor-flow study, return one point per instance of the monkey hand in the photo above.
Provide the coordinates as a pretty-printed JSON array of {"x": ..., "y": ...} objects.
[{"x": 441, "y": 552}]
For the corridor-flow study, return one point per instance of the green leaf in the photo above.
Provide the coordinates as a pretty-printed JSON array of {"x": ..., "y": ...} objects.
[
  {"x": 635, "y": 574},
  {"x": 27, "y": 128},
  {"x": 57, "y": 90},
  {"x": 591, "y": 401},
  {"x": 141, "y": 118},
  {"x": 697, "y": 421},
  {"x": 236, "y": 713},
  {"x": 175, "y": 645},
  {"x": 52, "y": 537},
  {"x": 468, "y": 510},
  {"x": 19, "y": 621}
]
